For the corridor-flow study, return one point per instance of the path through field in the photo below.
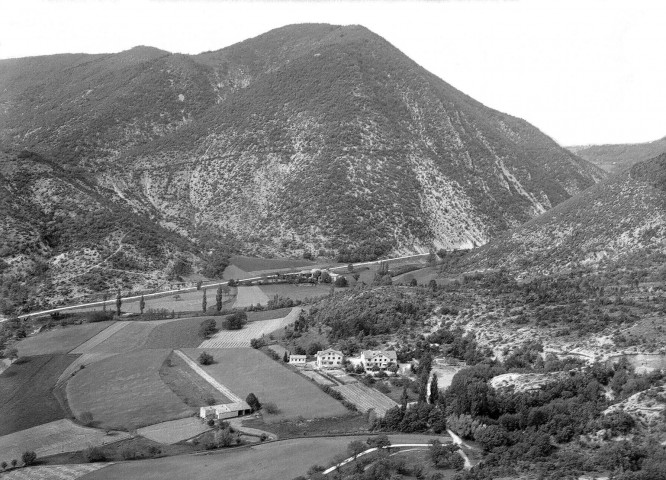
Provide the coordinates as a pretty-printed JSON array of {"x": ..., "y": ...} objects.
[
  {"x": 366, "y": 398},
  {"x": 248, "y": 296},
  {"x": 241, "y": 338},
  {"x": 217, "y": 385}
]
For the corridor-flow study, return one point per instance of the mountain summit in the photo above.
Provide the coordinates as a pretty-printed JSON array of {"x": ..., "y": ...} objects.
[{"x": 306, "y": 138}]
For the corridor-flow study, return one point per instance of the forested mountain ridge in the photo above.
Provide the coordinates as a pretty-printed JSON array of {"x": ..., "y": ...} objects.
[
  {"x": 620, "y": 222},
  {"x": 616, "y": 157},
  {"x": 309, "y": 138}
]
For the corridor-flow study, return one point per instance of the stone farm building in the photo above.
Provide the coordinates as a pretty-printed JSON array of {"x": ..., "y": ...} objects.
[
  {"x": 329, "y": 358},
  {"x": 225, "y": 410},
  {"x": 298, "y": 360},
  {"x": 378, "y": 358}
]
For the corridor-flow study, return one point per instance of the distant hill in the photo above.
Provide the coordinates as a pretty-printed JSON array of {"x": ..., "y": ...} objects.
[
  {"x": 313, "y": 139},
  {"x": 615, "y": 158},
  {"x": 619, "y": 222}
]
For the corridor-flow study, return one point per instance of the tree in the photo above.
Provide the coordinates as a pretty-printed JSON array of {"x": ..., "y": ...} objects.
[
  {"x": 208, "y": 328},
  {"x": 14, "y": 462},
  {"x": 119, "y": 303},
  {"x": 432, "y": 284},
  {"x": 380, "y": 441},
  {"x": 29, "y": 458},
  {"x": 218, "y": 298},
  {"x": 434, "y": 390},
  {"x": 235, "y": 321},
  {"x": 285, "y": 357},
  {"x": 199, "y": 283},
  {"x": 356, "y": 447},
  {"x": 413, "y": 283},
  {"x": 203, "y": 301},
  {"x": 431, "y": 259},
  {"x": 206, "y": 358},
  {"x": 3, "y": 465},
  {"x": 142, "y": 304},
  {"x": 350, "y": 267},
  {"x": 325, "y": 277},
  {"x": 340, "y": 282},
  {"x": 253, "y": 402}
]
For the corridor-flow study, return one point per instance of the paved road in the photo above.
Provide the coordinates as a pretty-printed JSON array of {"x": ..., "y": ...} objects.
[{"x": 182, "y": 290}]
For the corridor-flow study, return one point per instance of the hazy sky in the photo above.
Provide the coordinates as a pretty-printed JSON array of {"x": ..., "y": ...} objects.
[{"x": 582, "y": 71}]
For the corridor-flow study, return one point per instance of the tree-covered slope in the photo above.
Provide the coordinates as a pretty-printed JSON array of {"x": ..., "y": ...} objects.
[{"x": 615, "y": 158}]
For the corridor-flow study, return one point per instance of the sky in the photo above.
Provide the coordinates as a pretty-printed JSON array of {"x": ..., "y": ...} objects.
[{"x": 582, "y": 71}]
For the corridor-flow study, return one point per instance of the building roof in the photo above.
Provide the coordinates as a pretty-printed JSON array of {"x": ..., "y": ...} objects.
[
  {"x": 327, "y": 351},
  {"x": 229, "y": 407},
  {"x": 298, "y": 356},
  {"x": 370, "y": 354}
]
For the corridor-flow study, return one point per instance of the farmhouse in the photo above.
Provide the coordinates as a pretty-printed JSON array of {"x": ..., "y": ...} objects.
[
  {"x": 378, "y": 358},
  {"x": 329, "y": 358},
  {"x": 298, "y": 360},
  {"x": 225, "y": 410}
]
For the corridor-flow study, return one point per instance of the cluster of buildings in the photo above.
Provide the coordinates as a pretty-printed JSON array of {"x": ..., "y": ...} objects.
[{"x": 331, "y": 358}]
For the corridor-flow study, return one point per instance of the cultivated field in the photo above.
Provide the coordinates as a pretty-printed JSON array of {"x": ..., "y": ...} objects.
[
  {"x": 182, "y": 333},
  {"x": 320, "y": 379},
  {"x": 53, "y": 472},
  {"x": 174, "y": 431},
  {"x": 81, "y": 361},
  {"x": 242, "y": 337},
  {"x": 248, "y": 296},
  {"x": 102, "y": 336},
  {"x": 53, "y": 438},
  {"x": 26, "y": 398},
  {"x": 125, "y": 391},
  {"x": 366, "y": 398},
  {"x": 60, "y": 339},
  {"x": 251, "y": 264},
  {"x": 297, "y": 291},
  {"x": 245, "y": 370},
  {"x": 191, "y": 387}
]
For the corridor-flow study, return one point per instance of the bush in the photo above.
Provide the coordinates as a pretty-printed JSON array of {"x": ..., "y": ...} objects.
[
  {"x": 340, "y": 282},
  {"x": 253, "y": 402},
  {"x": 98, "y": 316},
  {"x": 206, "y": 358},
  {"x": 29, "y": 458},
  {"x": 86, "y": 417},
  {"x": 257, "y": 343},
  {"x": 95, "y": 454},
  {"x": 208, "y": 328},
  {"x": 271, "y": 408},
  {"x": 235, "y": 321}
]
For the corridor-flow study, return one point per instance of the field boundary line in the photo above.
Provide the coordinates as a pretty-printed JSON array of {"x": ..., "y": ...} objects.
[
  {"x": 214, "y": 383},
  {"x": 105, "y": 334}
]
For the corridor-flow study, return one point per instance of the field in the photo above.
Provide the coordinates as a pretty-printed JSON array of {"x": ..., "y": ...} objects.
[
  {"x": 248, "y": 370},
  {"x": 276, "y": 460},
  {"x": 321, "y": 380},
  {"x": 51, "y": 472},
  {"x": 102, "y": 336},
  {"x": 297, "y": 291},
  {"x": 60, "y": 339},
  {"x": 366, "y": 398},
  {"x": 187, "y": 384},
  {"x": 174, "y": 431},
  {"x": 251, "y": 264},
  {"x": 125, "y": 391},
  {"x": 248, "y": 296},
  {"x": 26, "y": 398},
  {"x": 54, "y": 437},
  {"x": 82, "y": 361},
  {"x": 242, "y": 337},
  {"x": 183, "y": 333}
]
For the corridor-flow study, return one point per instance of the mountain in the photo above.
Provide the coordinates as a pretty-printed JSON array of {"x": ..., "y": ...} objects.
[
  {"x": 615, "y": 158},
  {"x": 618, "y": 224},
  {"x": 309, "y": 138}
]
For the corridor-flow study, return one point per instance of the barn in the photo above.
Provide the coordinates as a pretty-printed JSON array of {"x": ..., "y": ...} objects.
[{"x": 225, "y": 410}]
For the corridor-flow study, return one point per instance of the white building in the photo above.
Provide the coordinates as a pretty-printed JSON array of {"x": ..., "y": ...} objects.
[
  {"x": 378, "y": 358},
  {"x": 329, "y": 358},
  {"x": 225, "y": 410},
  {"x": 298, "y": 360}
]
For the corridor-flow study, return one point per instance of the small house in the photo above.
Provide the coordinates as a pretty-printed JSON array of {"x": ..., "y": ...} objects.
[
  {"x": 329, "y": 358},
  {"x": 225, "y": 410},
  {"x": 378, "y": 358},
  {"x": 298, "y": 360}
]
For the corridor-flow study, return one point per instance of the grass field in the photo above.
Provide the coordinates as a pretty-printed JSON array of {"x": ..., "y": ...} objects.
[
  {"x": 248, "y": 296},
  {"x": 187, "y": 384},
  {"x": 125, "y": 391},
  {"x": 298, "y": 291},
  {"x": 54, "y": 437},
  {"x": 242, "y": 337},
  {"x": 174, "y": 431},
  {"x": 183, "y": 333},
  {"x": 26, "y": 398},
  {"x": 60, "y": 339},
  {"x": 245, "y": 370}
]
